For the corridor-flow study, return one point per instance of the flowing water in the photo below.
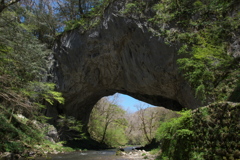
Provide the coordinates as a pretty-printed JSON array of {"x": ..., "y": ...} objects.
[{"x": 109, "y": 154}]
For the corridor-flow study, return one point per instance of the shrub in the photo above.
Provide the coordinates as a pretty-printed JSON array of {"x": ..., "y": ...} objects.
[
  {"x": 211, "y": 132},
  {"x": 176, "y": 137}
]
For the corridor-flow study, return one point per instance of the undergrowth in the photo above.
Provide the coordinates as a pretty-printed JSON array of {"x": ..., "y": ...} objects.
[
  {"x": 208, "y": 133},
  {"x": 20, "y": 135}
]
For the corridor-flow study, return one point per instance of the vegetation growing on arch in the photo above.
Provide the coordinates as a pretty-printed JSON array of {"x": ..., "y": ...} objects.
[
  {"x": 208, "y": 33},
  {"x": 206, "y": 29},
  {"x": 84, "y": 14}
]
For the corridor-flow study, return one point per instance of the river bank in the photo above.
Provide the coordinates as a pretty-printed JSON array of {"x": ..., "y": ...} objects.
[{"x": 138, "y": 155}]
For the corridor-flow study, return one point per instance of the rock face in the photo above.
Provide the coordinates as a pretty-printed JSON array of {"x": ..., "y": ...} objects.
[{"x": 118, "y": 55}]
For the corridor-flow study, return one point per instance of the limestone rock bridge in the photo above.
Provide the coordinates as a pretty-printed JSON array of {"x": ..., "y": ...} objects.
[{"x": 117, "y": 55}]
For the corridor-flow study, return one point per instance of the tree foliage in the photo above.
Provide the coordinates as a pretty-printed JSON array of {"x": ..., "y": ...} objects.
[
  {"x": 176, "y": 137},
  {"x": 23, "y": 73},
  {"x": 208, "y": 33},
  {"x": 23, "y": 63},
  {"x": 83, "y": 14},
  {"x": 205, "y": 28},
  {"x": 28, "y": 30},
  {"x": 107, "y": 123},
  {"x": 69, "y": 128}
]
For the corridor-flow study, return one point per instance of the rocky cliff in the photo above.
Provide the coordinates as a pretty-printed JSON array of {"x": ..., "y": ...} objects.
[{"x": 120, "y": 55}]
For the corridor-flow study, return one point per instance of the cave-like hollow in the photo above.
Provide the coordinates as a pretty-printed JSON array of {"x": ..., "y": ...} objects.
[
  {"x": 153, "y": 100},
  {"x": 81, "y": 109}
]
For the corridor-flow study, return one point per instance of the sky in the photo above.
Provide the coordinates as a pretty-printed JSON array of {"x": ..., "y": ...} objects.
[{"x": 129, "y": 104}]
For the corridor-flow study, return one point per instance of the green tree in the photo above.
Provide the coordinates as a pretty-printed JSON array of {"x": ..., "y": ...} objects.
[
  {"x": 107, "y": 123},
  {"x": 42, "y": 17},
  {"x": 23, "y": 69},
  {"x": 70, "y": 10},
  {"x": 69, "y": 128},
  {"x": 23, "y": 65},
  {"x": 80, "y": 13},
  {"x": 24, "y": 60},
  {"x": 207, "y": 31}
]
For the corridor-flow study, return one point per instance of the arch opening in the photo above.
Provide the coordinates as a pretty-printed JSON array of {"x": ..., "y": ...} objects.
[
  {"x": 83, "y": 112},
  {"x": 119, "y": 119}
]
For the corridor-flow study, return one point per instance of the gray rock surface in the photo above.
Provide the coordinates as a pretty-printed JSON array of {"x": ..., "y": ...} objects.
[
  {"x": 118, "y": 55},
  {"x": 52, "y": 134}
]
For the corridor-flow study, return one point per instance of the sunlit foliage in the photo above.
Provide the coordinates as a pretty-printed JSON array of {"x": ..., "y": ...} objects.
[{"x": 107, "y": 123}]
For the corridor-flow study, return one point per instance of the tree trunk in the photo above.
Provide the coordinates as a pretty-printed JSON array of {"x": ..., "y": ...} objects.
[
  {"x": 104, "y": 132},
  {"x": 80, "y": 8},
  {"x": 2, "y": 6}
]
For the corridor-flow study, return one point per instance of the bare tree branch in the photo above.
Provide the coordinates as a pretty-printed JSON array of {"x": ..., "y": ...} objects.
[{"x": 4, "y": 5}]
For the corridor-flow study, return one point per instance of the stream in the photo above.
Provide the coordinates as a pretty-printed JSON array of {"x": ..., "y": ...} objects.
[{"x": 109, "y": 154}]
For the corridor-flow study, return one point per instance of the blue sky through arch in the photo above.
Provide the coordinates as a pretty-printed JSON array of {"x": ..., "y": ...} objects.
[{"x": 128, "y": 103}]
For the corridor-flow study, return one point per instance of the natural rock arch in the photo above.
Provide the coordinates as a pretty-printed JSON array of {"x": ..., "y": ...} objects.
[{"x": 117, "y": 55}]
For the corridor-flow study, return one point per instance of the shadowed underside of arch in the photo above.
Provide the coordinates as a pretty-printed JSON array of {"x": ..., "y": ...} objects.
[{"x": 118, "y": 55}]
